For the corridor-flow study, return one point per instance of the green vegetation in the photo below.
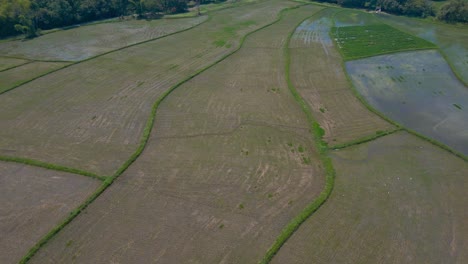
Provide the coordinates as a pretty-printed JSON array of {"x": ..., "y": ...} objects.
[
  {"x": 322, "y": 147},
  {"x": 362, "y": 140},
  {"x": 364, "y": 41}
]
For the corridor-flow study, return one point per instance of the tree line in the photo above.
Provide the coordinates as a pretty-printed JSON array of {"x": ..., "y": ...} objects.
[
  {"x": 28, "y": 16},
  {"x": 451, "y": 11}
]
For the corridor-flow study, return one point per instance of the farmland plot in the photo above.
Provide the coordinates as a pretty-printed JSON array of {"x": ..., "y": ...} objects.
[
  {"x": 33, "y": 201},
  {"x": 7, "y": 63},
  {"x": 452, "y": 40},
  {"x": 18, "y": 75},
  {"x": 317, "y": 74},
  {"x": 348, "y": 17},
  {"x": 229, "y": 163},
  {"x": 418, "y": 90},
  {"x": 397, "y": 199},
  {"x": 91, "y": 115},
  {"x": 87, "y": 41}
]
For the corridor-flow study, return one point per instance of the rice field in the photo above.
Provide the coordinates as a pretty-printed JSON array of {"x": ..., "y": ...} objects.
[
  {"x": 317, "y": 74},
  {"x": 91, "y": 115},
  {"x": 14, "y": 77},
  {"x": 221, "y": 174},
  {"x": 260, "y": 132},
  {"x": 32, "y": 202},
  {"x": 370, "y": 40},
  {"x": 83, "y": 42},
  {"x": 451, "y": 40},
  {"x": 418, "y": 90},
  {"x": 397, "y": 199}
]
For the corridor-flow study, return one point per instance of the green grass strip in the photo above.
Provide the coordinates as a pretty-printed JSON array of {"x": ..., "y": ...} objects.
[
  {"x": 321, "y": 146},
  {"x": 365, "y": 139},
  {"x": 49, "y": 166},
  {"x": 144, "y": 140}
]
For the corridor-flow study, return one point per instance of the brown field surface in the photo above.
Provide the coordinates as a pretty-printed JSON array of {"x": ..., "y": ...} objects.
[
  {"x": 91, "y": 115},
  {"x": 33, "y": 201},
  {"x": 87, "y": 41},
  {"x": 318, "y": 75},
  {"x": 6, "y": 63},
  {"x": 397, "y": 199},
  {"x": 26, "y": 72},
  {"x": 229, "y": 163}
]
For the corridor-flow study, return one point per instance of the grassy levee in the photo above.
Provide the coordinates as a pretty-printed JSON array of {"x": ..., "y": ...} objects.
[
  {"x": 49, "y": 166},
  {"x": 322, "y": 148},
  {"x": 362, "y": 140},
  {"x": 94, "y": 57},
  {"x": 144, "y": 139}
]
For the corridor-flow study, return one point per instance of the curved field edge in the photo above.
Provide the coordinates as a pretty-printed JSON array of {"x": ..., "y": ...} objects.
[
  {"x": 144, "y": 140},
  {"x": 50, "y": 166},
  {"x": 102, "y": 54},
  {"x": 322, "y": 147}
]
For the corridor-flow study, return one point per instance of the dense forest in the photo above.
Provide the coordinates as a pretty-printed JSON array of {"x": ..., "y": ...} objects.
[{"x": 28, "y": 16}]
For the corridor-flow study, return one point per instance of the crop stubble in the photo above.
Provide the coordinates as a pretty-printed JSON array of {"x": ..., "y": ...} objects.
[
  {"x": 205, "y": 190},
  {"x": 318, "y": 75},
  {"x": 397, "y": 199},
  {"x": 32, "y": 201},
  {"x": 91, "y": 115}
]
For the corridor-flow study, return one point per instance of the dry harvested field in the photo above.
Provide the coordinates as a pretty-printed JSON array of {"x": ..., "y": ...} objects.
[
  {"x": 229, "y": 163},
  {"x": 32, "y": 202},
  {"x": 317, "y": 74},
  {"x": 452, "y": 40},
  {"x": 419, "y": 90},
  {"x": 80, "y": 43},
  {"x": 16, "y": 76},
  {"x": 397, "y": 199},
  {"x": 91, "y": 115}
]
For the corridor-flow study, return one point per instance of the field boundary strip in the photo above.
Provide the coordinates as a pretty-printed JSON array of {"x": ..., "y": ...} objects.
[
  {"x": 398, "y": 125},
  {"x": 322, "y": 148},
  {"x": 366, "y": 139},
  {"x": 17, "y": 66},
  {"x": 146, "y": 134},
  {"x": 99, "y": 55},
  {"x": 49, "y": 166}
]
